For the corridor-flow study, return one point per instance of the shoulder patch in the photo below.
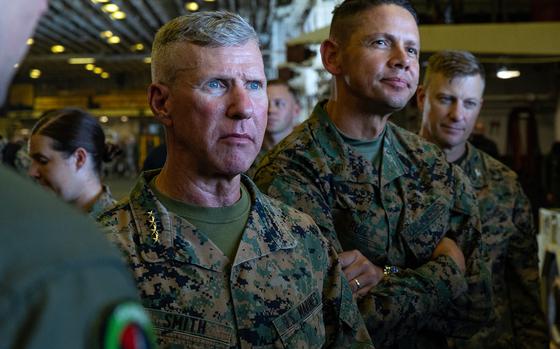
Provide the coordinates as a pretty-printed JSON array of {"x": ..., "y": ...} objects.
[{"x": 127, "y": 326}]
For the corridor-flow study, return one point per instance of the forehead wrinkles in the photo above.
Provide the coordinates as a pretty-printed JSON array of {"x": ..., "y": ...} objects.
[{"x": 236, "y": 61}]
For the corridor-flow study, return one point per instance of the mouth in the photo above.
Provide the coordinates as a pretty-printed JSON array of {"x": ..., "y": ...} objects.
[
  {"x": 396, "y": 82},
  {"x": 453, "y": 129},
  {"x": 238, "y": 137}
]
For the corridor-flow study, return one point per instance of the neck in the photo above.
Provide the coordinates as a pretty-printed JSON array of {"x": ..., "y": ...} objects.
[
  {"x": 271, "y": 139},
  {"x": 452, "y": 154},
  {"x": 185, "y": 185},
  {"x": 90, "y": 192},
  {"x": 354, "y": 122}
]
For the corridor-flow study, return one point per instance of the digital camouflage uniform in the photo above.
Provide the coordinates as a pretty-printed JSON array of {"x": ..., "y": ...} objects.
[
  {"x": 421, "y": 198},
  {"x": 104, "y": 202},
  {"x": 284, "y": 289},
  {"x": 507, "y": 227}
]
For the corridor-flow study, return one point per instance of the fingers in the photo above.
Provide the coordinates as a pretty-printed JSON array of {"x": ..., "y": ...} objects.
[
  {"x": 360, "y": 272},
  {"x": 366, "y": 282},
  {"x": 346, "y": 258}
]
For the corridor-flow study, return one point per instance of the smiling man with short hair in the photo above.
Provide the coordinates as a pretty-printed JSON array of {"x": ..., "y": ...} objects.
[{"x": 403, "y": 219}]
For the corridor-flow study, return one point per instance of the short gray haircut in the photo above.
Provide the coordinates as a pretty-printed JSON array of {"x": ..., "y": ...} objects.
[{"x": 206, "y": 29}]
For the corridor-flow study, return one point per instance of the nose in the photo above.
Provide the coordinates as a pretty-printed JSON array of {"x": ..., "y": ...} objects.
[
  {"x": 456, "y": 112},
  {"x": 240, "y": 103},
  {"x": 33, "y": 171},
  {"x": 400, "y": 58},
  {"x": 271, "y": 106}
]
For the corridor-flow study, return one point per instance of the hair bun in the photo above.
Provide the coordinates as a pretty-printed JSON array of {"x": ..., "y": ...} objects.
[{"x": 111, "y": 151}]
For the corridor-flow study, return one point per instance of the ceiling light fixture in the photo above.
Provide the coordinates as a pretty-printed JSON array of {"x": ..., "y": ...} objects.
[
  {"x": 124, "y": 118},
  {"x": 98, "y": 70},
  {"x": 106, "y": 34},
  {"x": 90, "y": 67},
  {"x": 148, "y": 60},
  {"x": 34, "y": 73},
  {"x": 114, "y": 40},
  {"x": 30, "y": 41},
  {"x": 118, "y": 15},
  {"x": 505, "y": 73},
  {"x": 110, "y": 8},
  {"x": 57, "y": 49},
  {"x": 81, "y": 60},
  {"x": 192, "y": 6},
  {"x": 99, "y": 1},
  {"x": 138, "y": 47},
  {"x": 105, "y": 75},
  {"x": 104, "y": 119}
]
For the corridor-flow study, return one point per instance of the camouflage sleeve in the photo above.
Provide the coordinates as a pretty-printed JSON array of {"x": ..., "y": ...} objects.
[
  {"x": 344, "y": 325},
  {"x": 472, "y": 310},
  {"x": 288, "y": 181},
  {"x": 522, "y": 279},
  {"x": 390, "y": 308},
  {"x": 402, "y": 303}
]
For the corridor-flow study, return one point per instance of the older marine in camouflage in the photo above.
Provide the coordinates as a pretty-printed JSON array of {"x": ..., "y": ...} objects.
[
  {"x": 285, "y": 288},
  {"x": 509, "y": 232},
  {"x": 395, "y": 217}
]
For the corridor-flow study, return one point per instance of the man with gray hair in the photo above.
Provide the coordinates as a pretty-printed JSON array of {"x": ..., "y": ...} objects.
[
  {"x": 219, "y": 264},
  {"x": 450, "y": 100}
]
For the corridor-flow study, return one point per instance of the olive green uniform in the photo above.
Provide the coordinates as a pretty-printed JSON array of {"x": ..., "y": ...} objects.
[{"x": 60, "y": 280}]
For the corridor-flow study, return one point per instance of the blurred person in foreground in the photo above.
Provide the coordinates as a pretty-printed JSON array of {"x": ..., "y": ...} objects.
[
  {"x": 450, "y": 100},
  {"x": 61, "y": 284},
  {"x": 403, "y": 219},
  {"x": 67, "y": 148},
  {"x": 219, "y": 264}
]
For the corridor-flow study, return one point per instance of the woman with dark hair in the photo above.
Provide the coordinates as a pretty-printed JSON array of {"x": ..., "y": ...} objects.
[{"x": 67, "y": 148}]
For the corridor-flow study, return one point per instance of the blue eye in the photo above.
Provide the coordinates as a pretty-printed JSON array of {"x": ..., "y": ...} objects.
[
  {"x": 213, "y": 84},
  {"x": 254, "y": 85}
]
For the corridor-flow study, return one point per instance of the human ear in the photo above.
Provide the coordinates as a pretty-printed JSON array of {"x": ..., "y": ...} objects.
[
  {"x": 81, "y": 156},
  {"x": 158, "y": 99},
  {"x": 330, "y": 55}
]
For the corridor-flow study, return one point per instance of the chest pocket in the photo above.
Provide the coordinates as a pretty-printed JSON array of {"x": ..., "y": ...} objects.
[
  {"x": 421, "y": 236},
  {"x": 303, "y": 325},
  {"x": 178, "y": 331}
]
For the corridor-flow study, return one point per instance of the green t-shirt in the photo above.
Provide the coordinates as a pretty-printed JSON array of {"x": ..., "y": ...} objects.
[
  {"x": 223, "y": 225},
  {"x": 371, "y": 149}
]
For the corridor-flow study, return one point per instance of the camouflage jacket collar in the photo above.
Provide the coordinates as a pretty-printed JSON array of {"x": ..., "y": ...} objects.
[
  {"x": 171, "y": 237},
  {"x": 474, "y": 166},
  {"x": 346, "y": 161},
  {"x": 102, "y": 204}
]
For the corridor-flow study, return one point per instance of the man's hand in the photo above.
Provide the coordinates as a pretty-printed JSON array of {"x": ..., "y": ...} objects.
[
  {"x": 360, "y": 272},
  {"x": 449, "y": 248}
]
